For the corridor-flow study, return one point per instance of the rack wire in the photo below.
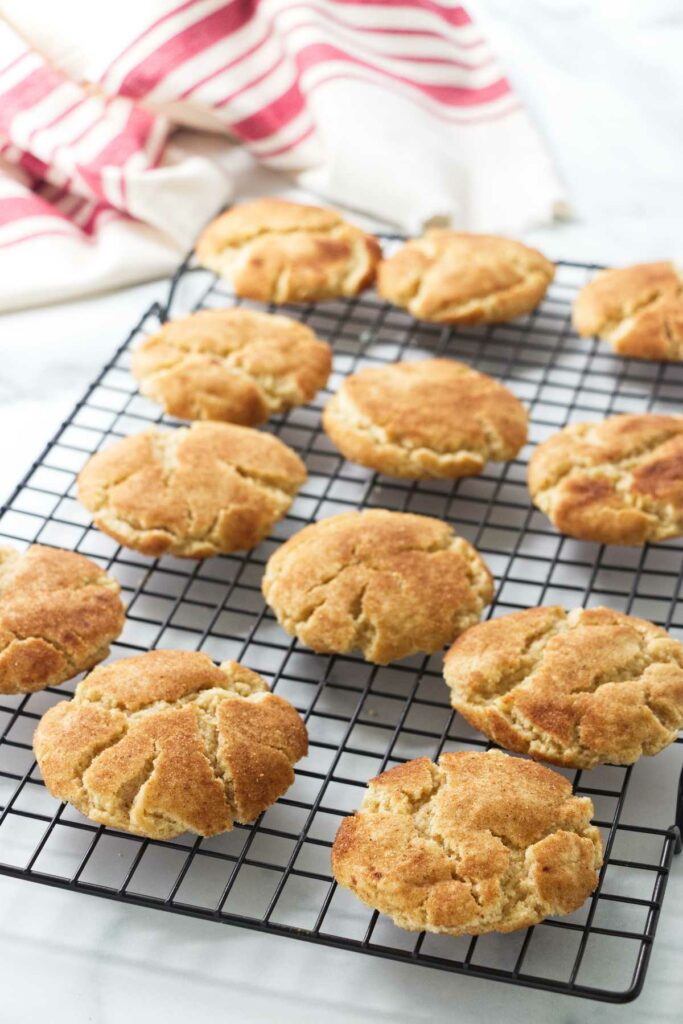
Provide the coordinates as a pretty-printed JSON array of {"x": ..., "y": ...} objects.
[{"x": 275, "y": 876}]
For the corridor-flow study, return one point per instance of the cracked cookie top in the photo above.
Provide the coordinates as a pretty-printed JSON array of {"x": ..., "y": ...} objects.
[
  {"x": 458, "y": 278},
  {"x": 58, "y": 614},
  {"x": 432, "y": 418},
  {"x": 619, "y": 481},
  {"x": 638, "y": 310},
  {"x": 479, "y": 842},
  {"x": 191, "y": 492},
  {"x": 277, "y": 251},
  {"x": 166, "y": 742},
  {"x": 579, "y": 689},
  {"x": 388, "y": 584},
  {"x": 233, "y": 364}
]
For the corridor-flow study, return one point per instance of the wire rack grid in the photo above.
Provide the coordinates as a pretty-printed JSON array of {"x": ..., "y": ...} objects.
[{"x": 275, "y": 875}]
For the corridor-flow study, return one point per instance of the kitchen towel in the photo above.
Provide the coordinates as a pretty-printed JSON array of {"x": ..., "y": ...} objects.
[{"x": 117, "y": 125}]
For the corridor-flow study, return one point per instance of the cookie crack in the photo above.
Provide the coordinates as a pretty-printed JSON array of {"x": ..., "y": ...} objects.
[
  {"x": 208, "y": 732},
  {"x": 614, "y": 325},
  {"x": 632, "y": 671},
  {"x": 536, "y": 648},
  {"x": 261, "y": 482},
  {"x": 365, "y": 628},
  {"x": 132, "y": 794},
  {"x": 194, "y": 696},
  {"x": 486, "y": 296},
  {"x": 50, "y": 641},
  {"x": 649, "y": 700},
  {"x": 101, "y": 498},
  {"x": 330, "y": 231},
  {"x": 673, "y": 339},
  {"x": 378, "y": 433},
  {"x": 98, "y": 751},
  {"x": 608, "y": 467},
  {"x": 381, "y": 564},
  {"x": 208, "y": 729},
  {"x": 533, "y": 648},
  {"x": 515, "y": 885}
]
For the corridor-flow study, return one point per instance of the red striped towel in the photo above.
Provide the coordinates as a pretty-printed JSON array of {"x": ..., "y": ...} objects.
[{"x": 396, "y": 108}]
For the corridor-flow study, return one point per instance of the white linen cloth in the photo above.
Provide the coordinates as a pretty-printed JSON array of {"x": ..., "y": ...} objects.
[{"x": 394, "y": 108}]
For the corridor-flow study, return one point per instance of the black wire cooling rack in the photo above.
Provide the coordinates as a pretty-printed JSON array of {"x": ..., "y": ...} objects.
[{"x": 275, "y": 876}]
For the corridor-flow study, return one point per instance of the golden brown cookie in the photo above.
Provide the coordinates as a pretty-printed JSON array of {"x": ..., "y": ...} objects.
[
  {"x": 58, "y": 614},
  {"x": 638, "y": 309},
  {"x": 388, "y": 584},
  {"x": 480, "y": 842},
  {"x": 276, "y": 251},
  {"x": 231, "y": 364},
  {"x": 455, "y": 278},
  {"x": 193, "y": 492},
  {"x": 589, "y": 687},
  {"x": 433, "y": 418},
  {"x": 619, "y": 481},
  {"x": 166, "y": 742}
]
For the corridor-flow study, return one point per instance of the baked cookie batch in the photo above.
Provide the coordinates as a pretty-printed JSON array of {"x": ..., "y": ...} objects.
[{"x": 167, "y": 742}]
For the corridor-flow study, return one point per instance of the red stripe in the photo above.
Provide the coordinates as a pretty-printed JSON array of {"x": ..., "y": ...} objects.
[
  {"x": 260, "y": 77},
  {"x": 145, "y": 32},
  {"x": 56, "y": 119},
  {"x": 448, "y": 116},
  {"x": 45, "y": 171},
  {"x": 272, "y": 118},
  {"x": 231, "y": 64},
  {"x": 83, "y": 132},
  {"x": 34, "y": 167},
  {"x": 378, "y": 52},
  {"x": 450, "y": 95},
  {"x": 186, "y": 44},
  {"x": 19, "y": 207},
  {"x": 28, "y": 207},
  {"x": 457, "y": 16},
  {"x": 90, "y": 224},
  {"x": 31, "y": 90},
  {"x": 285, "y": 148},
  {"x": 119, "y": 149}
]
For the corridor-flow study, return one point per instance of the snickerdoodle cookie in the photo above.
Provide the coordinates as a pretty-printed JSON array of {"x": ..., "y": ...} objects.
[
  {"x": 231, "y": 364},
  {"x": 577, "y": 689},
  {"x": 191, "y": 492},
  {"x": 479, "y": 842},
  {"x": 433, "y": 418},
  {"x": 166, "y": 742},
  {"x": 388, "y": 584},
  {"x": 276, "y": 251},
  {"x": 58, "y": 614},
  {"x": 638, "y": 310},
  {"x": 458, "y": 278},
  {"x": 619, "y": 481}
]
